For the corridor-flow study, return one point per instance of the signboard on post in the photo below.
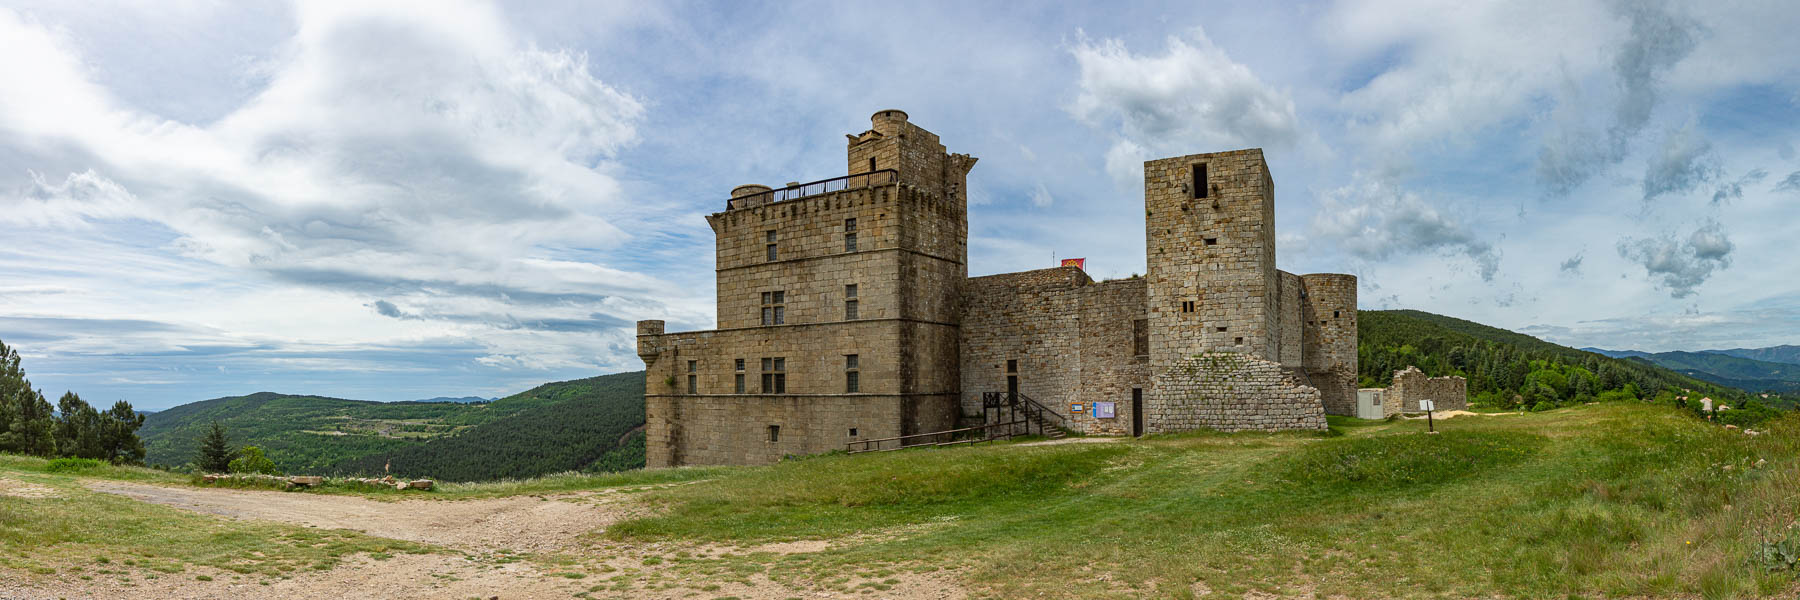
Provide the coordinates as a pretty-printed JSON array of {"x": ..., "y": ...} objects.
[{"x": 1427, "y": 406}]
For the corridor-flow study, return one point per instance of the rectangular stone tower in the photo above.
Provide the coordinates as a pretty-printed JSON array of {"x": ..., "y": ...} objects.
[
  {"x": 837, "y": 312},
  {"x": 1209, "y": 225}
]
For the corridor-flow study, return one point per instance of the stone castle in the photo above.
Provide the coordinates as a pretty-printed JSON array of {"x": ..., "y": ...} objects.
[{"x": 846, "y": 314}]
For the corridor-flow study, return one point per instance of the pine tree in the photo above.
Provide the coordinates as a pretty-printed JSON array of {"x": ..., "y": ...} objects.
[
  {"x": 26, "y": 425},
  {"x": 215, "y": 451},
  {"x": 118, "y": 435}
]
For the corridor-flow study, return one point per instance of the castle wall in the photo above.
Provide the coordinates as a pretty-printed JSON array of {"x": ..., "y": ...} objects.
[
  {"x": 1230, "y": 391},
  {"x": 1072, "y": 338},
  {"x": 1329, "y": 340},
  {"x": 812, "y": 266},
  {"x": 1410, "y": 385},
  {"x": 734, "y": 430}
]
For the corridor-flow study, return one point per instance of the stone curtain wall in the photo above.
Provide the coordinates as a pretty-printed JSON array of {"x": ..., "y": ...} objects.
[
  {"x": 1411, "y": 385},
  {"x": 1071, "y": 336},
  {"x": 1230, "y": 391},
  {"x": 1289, "y": 308}
]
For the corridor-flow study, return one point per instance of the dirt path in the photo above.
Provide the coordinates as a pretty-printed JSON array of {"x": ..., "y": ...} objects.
[
  {"x": 1448, "y": 414},
  {"x": 520, "y": 523},
  {"x": 475, "y": 530}
]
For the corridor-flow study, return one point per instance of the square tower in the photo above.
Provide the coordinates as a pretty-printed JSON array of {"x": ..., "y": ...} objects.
[{"x": 1209, "y": 222}]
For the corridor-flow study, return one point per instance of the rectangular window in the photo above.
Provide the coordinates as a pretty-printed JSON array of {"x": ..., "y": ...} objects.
[
  {"x": 740, "y": 383},
  {"x": 871, "y": 164},
  {"x": 1334, "y": 314},
  {"x": 1187, "y": 306},
  {"x": 693, "y": 366},
  {"x": 1221, "y": 329},
  {"x": 693, "y": 380},
  {"x": 1200, "y": 181},
  {"x": 1140, "y": 337},
  {"x": 769, "y": 239},
  {"x": 1212, "y": 241},
  {"x": 774, "y": 433},
  {"x": 740, "y": 364},
  {"x": 851, "y": 383},
  {"x": 774, "y": 311},
  {"x": 850, "y": 302},
  {"x": 852, "y": 432},
  {"x": 1239, "y": 341},
  {"x": 1012, "y": 366},
  {"x": 774, "y": 377},
  {"x": 849, "y": 235}
]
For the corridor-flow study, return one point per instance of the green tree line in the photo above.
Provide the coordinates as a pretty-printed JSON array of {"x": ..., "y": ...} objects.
[
  {"x": 1510, "y": 370},
  {"x": 74, "y": 429}
]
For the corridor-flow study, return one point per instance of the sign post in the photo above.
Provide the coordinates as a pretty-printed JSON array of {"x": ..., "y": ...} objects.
[{"x": 1430, "y": 426}]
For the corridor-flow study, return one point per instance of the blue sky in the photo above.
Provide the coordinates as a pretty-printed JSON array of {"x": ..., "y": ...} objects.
[{"x": 402, "y": 201}]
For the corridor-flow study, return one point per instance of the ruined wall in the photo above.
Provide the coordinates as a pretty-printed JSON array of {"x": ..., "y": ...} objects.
[
  {"x": 1329, "y": 340},
  {"x": 1229, "y": 391},
  {"x": 1410, "y": 385},
  {"x": 1217, "y": 251}
]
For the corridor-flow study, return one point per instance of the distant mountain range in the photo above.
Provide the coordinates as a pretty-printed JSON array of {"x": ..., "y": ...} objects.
[
  {"x": 1774, "y": 369},
  {"x": 462, "y": 400}
]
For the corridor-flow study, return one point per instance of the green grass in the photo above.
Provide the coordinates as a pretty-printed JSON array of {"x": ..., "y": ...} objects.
[
  {"x": 1595, "y": 501},
  {"x": 60, "y": 532}
]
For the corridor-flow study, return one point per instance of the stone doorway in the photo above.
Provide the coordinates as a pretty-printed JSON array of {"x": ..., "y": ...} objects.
[{"x": 1137, "y": 412}]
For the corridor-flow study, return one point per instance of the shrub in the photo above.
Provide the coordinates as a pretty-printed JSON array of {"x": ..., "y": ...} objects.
[
  {"x": 72, "y": 465},
  {"x": 252, "y": 460},
  {"x": 1542, "y": 406}
]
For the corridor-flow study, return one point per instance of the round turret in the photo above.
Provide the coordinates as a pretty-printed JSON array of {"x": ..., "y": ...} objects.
[
  {"x": 888, "y": 122},
  {"x": 748, "y": 189}
]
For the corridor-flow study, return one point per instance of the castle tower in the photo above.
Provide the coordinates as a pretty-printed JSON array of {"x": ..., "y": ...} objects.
[
  {"x": 837, "y": 316},
  {"x": 1328, "y": 329},
  {"x": 1210, "y": 236}
]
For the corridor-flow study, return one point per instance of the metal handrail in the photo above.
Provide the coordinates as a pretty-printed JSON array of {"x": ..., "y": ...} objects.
[
  {"x": 822, "y": 186},
  {"x": 875, "y": 445}
]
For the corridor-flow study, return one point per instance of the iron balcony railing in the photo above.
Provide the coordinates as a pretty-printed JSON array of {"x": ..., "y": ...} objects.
[{"x": 835, "y": 184}]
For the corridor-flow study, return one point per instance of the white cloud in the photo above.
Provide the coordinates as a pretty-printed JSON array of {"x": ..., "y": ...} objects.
[
  {"x": 1193, "y": 95},
  {"x": 1374, "y": 220},
  {"x": 1681, "y": 265}
]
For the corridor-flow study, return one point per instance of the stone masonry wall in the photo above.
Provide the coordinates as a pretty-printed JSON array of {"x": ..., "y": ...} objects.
[
  {"x": 1410, "y": 385},
  {"x": 1072, "y": 340},
  {"x": 1229, "y": 391}
]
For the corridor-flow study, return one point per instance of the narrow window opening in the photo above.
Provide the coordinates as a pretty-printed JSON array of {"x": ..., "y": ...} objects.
[
  {"x": 1012, "y": 366},
  {"x": 769, "y": 240},
  {"x": 850, "y": 302},
  {"x": 871, "y": 164},
  {"x": 1238, "y": 341},
  {"x": 1212, "y": 241},
  {"x": 1187, "y": 306},
  {"x": 738, "y": 379},
  {"x": 693, "y": 383},
  {"x": 1221, "y": 330},
  {"x": 774, "y": 433},
  {"x": 1334, "y": 314},
  {"x": 849, "y": 235},
  {"x": 1200, "y": 181},
  {"x": 852, "y": 383},
  {"x": 1140, "y": 337},
  {"x": 852, "y": 432}
]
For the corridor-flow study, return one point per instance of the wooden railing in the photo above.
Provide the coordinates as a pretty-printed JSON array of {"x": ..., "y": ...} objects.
[{"x": 1015, "y": 414}]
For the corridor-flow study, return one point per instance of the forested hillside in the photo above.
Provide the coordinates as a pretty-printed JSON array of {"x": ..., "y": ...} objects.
[
  {"x": 560, "y": 426},
  {"x": 554, "y": 427},
  {"x": 1507, "y": 369}
]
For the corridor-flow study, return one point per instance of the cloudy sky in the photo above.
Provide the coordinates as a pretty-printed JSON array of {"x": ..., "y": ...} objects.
[{"x": 388, "y": 201}]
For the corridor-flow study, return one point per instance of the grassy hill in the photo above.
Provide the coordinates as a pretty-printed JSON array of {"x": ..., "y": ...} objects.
[
  {"x": 553, "y": 427},
  {"x": 1507, "y": 369},
  {"x": 1612, "y": 500}
]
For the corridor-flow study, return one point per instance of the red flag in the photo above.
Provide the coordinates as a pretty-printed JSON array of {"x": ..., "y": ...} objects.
[{"x": 1079, "y": 263}]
